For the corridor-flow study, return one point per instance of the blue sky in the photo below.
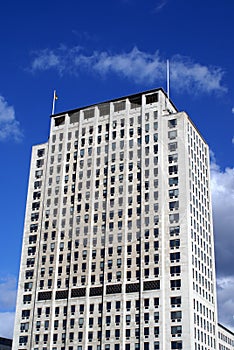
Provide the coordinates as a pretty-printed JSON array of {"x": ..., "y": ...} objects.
[{"x": 98, "y": 50}]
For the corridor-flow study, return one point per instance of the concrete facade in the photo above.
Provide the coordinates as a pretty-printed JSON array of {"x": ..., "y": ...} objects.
[{"x": 118, "y": 247}]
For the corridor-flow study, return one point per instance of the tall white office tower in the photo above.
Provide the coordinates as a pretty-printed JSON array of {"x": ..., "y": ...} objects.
[{"x": 118, "y": 249}]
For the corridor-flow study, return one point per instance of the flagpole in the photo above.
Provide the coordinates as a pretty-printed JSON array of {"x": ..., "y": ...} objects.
[{"x": 53, "y": 105}]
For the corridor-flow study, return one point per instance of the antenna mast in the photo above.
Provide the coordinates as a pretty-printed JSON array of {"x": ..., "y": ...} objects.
[{"x": 168, "y": 80}]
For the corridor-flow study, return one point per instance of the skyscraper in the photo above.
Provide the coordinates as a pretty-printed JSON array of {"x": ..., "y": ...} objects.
[{"x": 118, "y": 249}]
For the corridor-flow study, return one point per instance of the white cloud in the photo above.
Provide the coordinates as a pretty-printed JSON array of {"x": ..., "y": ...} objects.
[
  {"x": 9, "y": 126},
  {"x": 233, "y": 140},
  {"x": 232, "y": 109},
  {"x": 136, "y": 65},
  {"x": 8, "y": 290},
  {"x": 7, "y": 324},
  {"x": 139, "y": 66}
]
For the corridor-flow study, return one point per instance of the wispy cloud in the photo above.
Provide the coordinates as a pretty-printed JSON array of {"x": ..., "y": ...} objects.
[
  {"x": 9, "y": 126},
  {"x": 61, "y": 59},
  {"x": 194, "y": 76},
  {"x": 222, "y": 185},
  {"x": 160, "y": 5},
  {"x": 139, "y": 66},
  {"x": 46, "y": 60}
]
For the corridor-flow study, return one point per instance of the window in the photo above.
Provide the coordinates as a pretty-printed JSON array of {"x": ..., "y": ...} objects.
[
  {"x": 175, "y": 284},
  {"x": 174, "y": 205},
  {"x": 108, "y": 306},
  {"x": 156, "y": 345},
  {"x": 46, "y": 324},
  {"x": 173, "y": 193},
  {"x": 176, "y": 330},
  {"x": 119, "y": 106},
  {"x": 127, "y": 333},
  {"x": 172, "y": 134},
  {"x": 147, "y": 139},
  {"x": 25, "y": 313},
  {"x": 37, "y": 184},
  {"x": 175, "y": 256},
  {"x": 176, "y": 345},
  {"x": 172, "y": 146},
  {"x": 128, "y": 305},
  {"x": 176, "y": 315},
  {"x": 128, "y": 319},
  {"x": 174, "y": 218},
  {"x": 175, "y": 301},
  {"x": 38, "y": 173},
  {"x": 146, "y": 317},
  {"x": 152, "y": 98},
  {"x": 73, "y": 309},
  {"x": 108, "y": 320},
  {"x": 137, "y": 334},
  {"x": 40, "y": 152},
  {"x": 175, "y": 230},
  {"x": 173, "y": 169},
  {"x": 117, "y": 333},
  {"x": 23, "y": 339},
  {"x": 91, "y": 322},
  {"x": 156, "y": 316},
  {"x": 81, "y": 308},
  {"x": 24, "y": 327},
  {"x": 47, "y": 311},
  {"x": 175, "y": 270},
  {"x": 173, "y": 158},
  {"x": 81, "y": 321},
  {"x": 172, "y": 123},
  {"x": 135, "y": 103},
  {"x": 156, "y": 258},
  {"x": 107, "y": 333}
]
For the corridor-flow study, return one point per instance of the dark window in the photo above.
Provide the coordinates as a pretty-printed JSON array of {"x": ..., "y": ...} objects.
[{"x": 152, "y": 98}]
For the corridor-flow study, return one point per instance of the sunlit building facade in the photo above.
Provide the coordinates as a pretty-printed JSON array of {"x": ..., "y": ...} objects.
[{"x": 118, "y": 247}]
